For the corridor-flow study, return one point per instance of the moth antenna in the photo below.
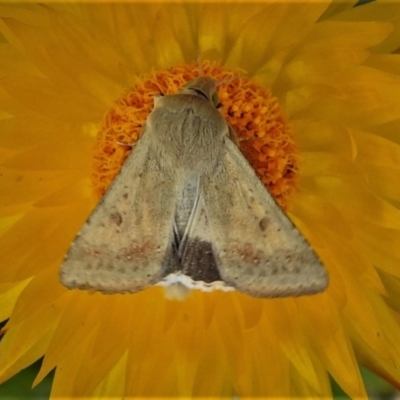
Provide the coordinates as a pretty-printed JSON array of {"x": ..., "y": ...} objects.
[
  {"x": 227, "y": 80},
  {"x": 200, "y": 66},
  {"x": 124, "y": 144},
  {"x": 222, "y": 82}
]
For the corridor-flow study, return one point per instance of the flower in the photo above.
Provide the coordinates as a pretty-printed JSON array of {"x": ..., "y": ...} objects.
[{"x": 332, "y": 70}]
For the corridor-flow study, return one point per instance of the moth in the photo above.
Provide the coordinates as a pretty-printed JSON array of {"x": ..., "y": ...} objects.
[{"x": 188, "y": 209}]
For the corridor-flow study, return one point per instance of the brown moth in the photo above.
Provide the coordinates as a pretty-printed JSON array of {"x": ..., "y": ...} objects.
[{"x": 188, "y": 210}]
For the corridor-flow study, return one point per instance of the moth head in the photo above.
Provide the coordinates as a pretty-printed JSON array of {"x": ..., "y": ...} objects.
[{"x": 204, "y": 87}]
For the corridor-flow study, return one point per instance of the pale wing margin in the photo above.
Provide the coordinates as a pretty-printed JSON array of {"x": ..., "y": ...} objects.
[
  {"x": 257, "y": 248},
  {"x": 125, "y": 245}
]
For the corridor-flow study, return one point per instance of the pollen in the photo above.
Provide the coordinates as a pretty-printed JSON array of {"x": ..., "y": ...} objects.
[{"x": 264, "y": 135}]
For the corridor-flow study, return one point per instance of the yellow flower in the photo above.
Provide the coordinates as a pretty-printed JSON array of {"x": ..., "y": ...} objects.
[{"x": 330, "y": 68}]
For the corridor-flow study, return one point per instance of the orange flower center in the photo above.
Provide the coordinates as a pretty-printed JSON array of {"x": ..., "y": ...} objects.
[{"x": 265, "y": 137}]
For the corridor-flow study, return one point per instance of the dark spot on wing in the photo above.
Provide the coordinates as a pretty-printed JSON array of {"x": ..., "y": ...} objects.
[
  {"x": 116, "y": 218},
  {"x": 263, "y": 224}
]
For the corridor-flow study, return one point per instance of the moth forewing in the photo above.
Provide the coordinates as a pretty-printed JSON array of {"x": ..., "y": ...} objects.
[
  {"x": 257, "y": 248},
  {"x": 152, "y": 228},
  {"x": 124, "y": 245}
]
